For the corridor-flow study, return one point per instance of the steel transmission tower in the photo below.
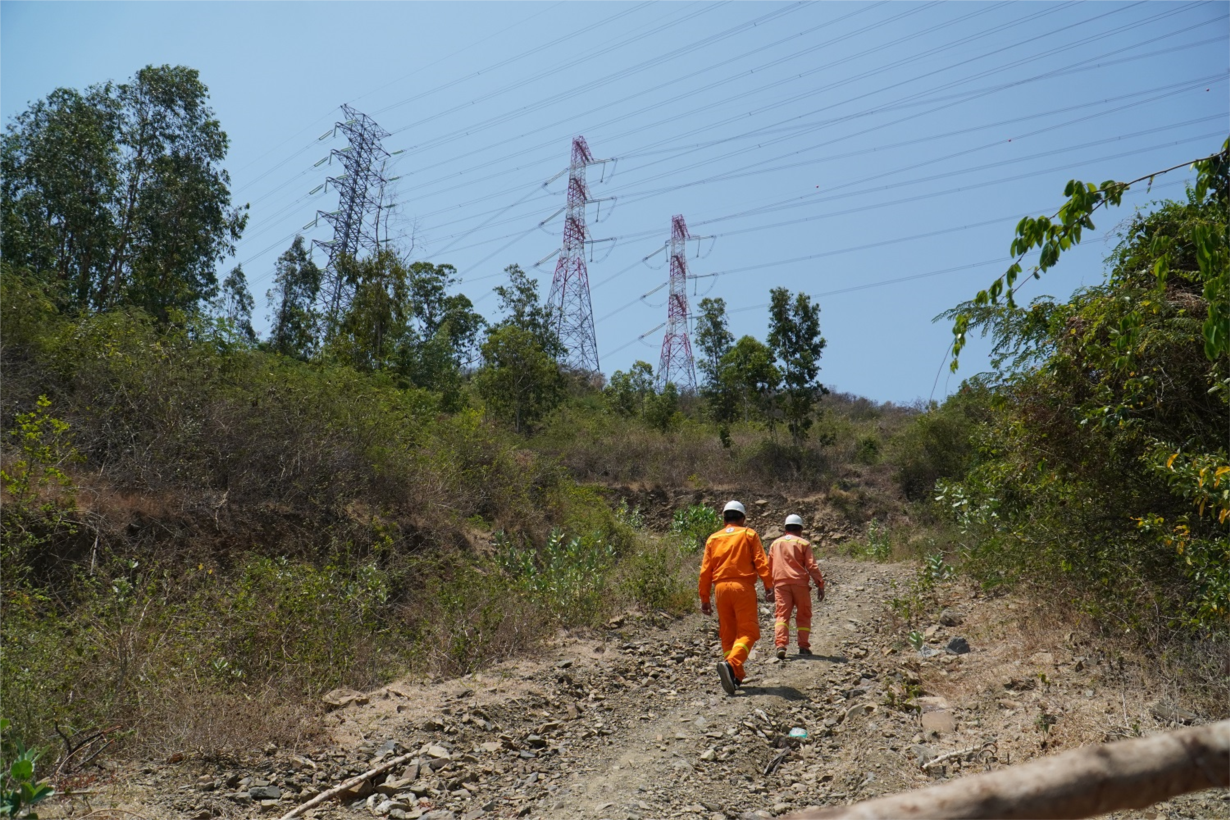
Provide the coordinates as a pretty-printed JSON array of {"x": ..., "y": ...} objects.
[
  {"x": 569, "y": 300},
  {"x": 360, "y": 193},
  {"x": 676, "y": 364}
]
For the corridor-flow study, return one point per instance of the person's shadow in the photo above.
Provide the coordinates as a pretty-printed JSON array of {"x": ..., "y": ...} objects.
[
  {"x": 783, "y": 692},
  {"x": 826, "y": 658}
]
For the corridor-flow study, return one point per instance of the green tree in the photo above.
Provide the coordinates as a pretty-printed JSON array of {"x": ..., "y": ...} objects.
[
  {"x": 519, "y": 381},
  {"x": 441, "y": 336},
  {"x": 794, "y": 338},
  {"x": 438, "y": 315},
  {"x": 117, "y": 195},
  {"x": 750, "y": 381},
  {"x": 521, "y": 307},
  {"x": 292, "y": 300},
  {"x": 627, "y": 392},
  {"x": 712, "y": 337},
  {"x": 371, "y": 334},
  {"x": 235, "y": 303},
  {"x": 662, "y": 409}
]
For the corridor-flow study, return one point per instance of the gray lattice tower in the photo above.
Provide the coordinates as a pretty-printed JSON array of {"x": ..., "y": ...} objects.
[
  {"x": 569, "y": 300},
  {"x": 676, "y": 363},
  {"x": 359, "y": 190}
]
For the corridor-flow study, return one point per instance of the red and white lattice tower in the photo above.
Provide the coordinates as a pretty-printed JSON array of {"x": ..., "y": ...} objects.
[
  {"x": 569, "y": 300},
  {"x": 676, "y": 363}
]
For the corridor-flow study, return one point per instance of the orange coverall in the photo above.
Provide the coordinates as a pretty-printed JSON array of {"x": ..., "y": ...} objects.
[
  {"x": 734, "y": 557},
  {"x": 791, "y": 563}
]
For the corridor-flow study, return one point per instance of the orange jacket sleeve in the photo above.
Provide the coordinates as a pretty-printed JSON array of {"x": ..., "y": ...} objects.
[
  {"x": 813, "y": 569},
  {"x": 706, "y": 574},
  {"x": 762, "y": 564}
]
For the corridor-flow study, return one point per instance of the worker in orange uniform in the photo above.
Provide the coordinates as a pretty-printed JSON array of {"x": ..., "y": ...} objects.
[
  {"x": 734, "y": 557},
  {"x": 791, "y": 564}
]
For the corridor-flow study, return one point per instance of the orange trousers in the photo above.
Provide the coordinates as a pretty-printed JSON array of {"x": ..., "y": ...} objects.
[
  {"x": 738, "y": 621},
  {"x": 798, "y": 598}
]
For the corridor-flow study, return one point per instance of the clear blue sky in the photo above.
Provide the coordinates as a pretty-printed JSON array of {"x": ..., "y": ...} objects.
[{"x": 827, "y": 147}]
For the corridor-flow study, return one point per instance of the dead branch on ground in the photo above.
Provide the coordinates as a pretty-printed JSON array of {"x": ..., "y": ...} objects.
[{"x": 1130, "y": 774}]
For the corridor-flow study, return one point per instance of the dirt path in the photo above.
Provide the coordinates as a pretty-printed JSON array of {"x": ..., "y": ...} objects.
[
  {"x": 693, "y": 749},
  {"x": 630, "y": 722}
]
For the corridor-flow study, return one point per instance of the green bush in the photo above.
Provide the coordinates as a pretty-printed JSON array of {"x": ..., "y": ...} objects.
[
  {"x": 1099, "y": 471},
  {"x": 940, "y": 442},
  {"x": 19, "y": 791},
  {"x": 658, "y": 575},
  {"x": 692, "y": 526}
]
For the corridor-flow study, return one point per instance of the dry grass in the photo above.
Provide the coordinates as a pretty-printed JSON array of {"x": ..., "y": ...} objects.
[
  {"x": 1042, "y": 677},
  {"x": 196, "y": 721}
]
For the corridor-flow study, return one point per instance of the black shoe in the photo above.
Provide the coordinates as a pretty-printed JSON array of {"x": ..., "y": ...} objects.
[
  {"x": 781, "y": 653},
  {"x": 727, "y": 673},
  {"x": 803, "y": 650}
]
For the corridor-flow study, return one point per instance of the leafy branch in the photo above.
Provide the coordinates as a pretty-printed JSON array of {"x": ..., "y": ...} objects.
[{"x": 1058, "y": 233}]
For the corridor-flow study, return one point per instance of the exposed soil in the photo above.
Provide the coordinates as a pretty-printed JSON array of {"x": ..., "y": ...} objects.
[{"x": 630, "y": 722}]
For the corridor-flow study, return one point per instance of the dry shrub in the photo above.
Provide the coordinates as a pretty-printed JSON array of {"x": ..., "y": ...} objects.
[{"x": 191, "y": 719}]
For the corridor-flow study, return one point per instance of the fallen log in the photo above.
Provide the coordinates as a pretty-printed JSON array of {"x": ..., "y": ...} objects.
[
  {"x": 1086, "y": 782},
  {"x": 341, "y": 787}
]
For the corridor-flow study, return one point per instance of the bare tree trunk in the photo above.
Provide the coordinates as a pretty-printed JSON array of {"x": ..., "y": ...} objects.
[{"x": 1130, "y": 774}]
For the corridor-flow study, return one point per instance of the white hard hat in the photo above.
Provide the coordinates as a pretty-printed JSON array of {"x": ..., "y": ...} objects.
[
  {"x": 794, "y": 520},
  {"x": 736, "y": 506}
]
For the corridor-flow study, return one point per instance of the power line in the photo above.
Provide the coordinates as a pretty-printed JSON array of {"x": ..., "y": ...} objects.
[
  {"x": 636, "y": 196},
  {"x": 917, "y": 140}
]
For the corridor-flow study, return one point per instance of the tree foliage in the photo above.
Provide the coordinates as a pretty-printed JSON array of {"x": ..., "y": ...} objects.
[
  {"x": 521, "y": 307},
  {"x": 1207, "y": 243},
  {"x": 116, "y": 195},
  {"x": 1105, "y": 463},
  {"x": 627, "y": 392},
  {"x": 234, "y": 304},
  {"x": 519, "y": 381},
  {"x": 713, "y": 339},
  {"x": 794, "y": 338},
  {"x": 749, "y": 382},
  {"x": 292, "y": 300}
]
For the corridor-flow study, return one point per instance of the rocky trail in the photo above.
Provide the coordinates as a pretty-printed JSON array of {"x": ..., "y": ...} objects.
[{"x": 630, "y": 723}]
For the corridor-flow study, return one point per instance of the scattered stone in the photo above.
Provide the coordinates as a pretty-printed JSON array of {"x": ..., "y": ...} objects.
[
  {"x": 341, "y": 698},
  {"x": 1169, "y": 713},
  {"x": 359, "y": 791},
  {"x": 940, "y": 721},
  {"x": 931, "y": 703},
  {"x": 957, "y": 646},
  {"x": 265, "y": 793},
  {"x": 438, "y": 814},
  {"x": 389, "y": 747},
  {"x": 951, "y": 617}
]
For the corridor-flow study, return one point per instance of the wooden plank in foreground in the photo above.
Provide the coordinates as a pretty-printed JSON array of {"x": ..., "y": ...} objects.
[{"x": 1086, "y": 782}]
